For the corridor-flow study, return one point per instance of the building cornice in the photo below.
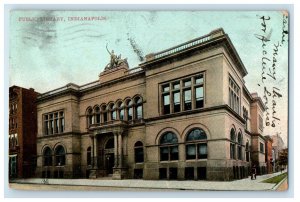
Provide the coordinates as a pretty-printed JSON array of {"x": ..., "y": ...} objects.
[{"x": 213, "y": 39}]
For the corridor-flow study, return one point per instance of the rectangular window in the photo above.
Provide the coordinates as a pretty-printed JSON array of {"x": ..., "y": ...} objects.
[
  {"x": 191, "y": 151},
  {"x": 189, "y": 173},
  {"x": 176, "y": 101},
  {"x": 162, "y": 173},
  {"x": 54, "y": 123},
  {"x": 51, "y": 126},
  {"x": 166, "y": 99},
  {"x": 234, "y": 95},
  {"x": 202, "y": 151},
  {"x": 199, "y": 97},
  {"x": 176, "y": 85},
  {"x": 261, "y": 148},
  {"x": 187, "y": 82},
  {"x": 166, "y": 88},
  {"x": 164, "y": 153},
  {"x": 187, "y": 100},
  {"x": 174, "y": 153},
  {"x": 199, "y": 79},
  {"x": 182, "y": 95},
  {"x": 260, "y": 123},
  {"x": 173, "y": 173}
]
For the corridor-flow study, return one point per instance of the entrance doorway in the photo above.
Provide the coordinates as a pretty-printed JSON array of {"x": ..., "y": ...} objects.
[
  {"x": 109, "y": 156},
  {"x": 110, "y": 160}
]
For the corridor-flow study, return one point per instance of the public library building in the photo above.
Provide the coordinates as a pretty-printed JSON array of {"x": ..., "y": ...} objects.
[{"x": 184, "y": 113}]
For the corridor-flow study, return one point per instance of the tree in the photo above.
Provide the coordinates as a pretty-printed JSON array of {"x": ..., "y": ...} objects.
[{"x": 283, "y": 157}]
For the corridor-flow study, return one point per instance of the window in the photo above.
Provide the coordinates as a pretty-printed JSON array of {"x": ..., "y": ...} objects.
[
  {"x": 138, "y": 152},
  {"x": 121, "y": 111},
  {"x": 61, "y": 122},
  {"x": 196, "y": 144},
  {"x": 187, "y": 99},
  {"x": 176, "y": 101},
  {"x": 168, "y": 147},
  {"x": 104, "y": 113},
  {"x": 176, "y": 96},
  {"x": 234, "y": 95},
  {"x": 90, "y": 117},
  {"x": 138, "y": 108},
  {"x": 47, "y": 157},
  {"x": 232, "y": 143},
  {"x": 183, "y": 95},
  {"x": 54, "y": 123},
  {"x": 247, "y": 152},
  {"x": 60, "y": 156},
  {"x": 113, "y": 113},
  {"x": 166, "y": 99},
  {"x": 89, "y": 156},
  {"x": 260, "y": 123},
  {"x": 245, "y": 116},
  {"x": 129, "y": 110},
  {"x": 199, "y": 97},
  {"x": 261, "y": 148},
  {"x": 97, "y": 115},
  {"x": 240, "y": 142}
]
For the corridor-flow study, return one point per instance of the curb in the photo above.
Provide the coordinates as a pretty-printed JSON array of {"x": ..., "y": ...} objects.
[{"x": 278, "y": 184}]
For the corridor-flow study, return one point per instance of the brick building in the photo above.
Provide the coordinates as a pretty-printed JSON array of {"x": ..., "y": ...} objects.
[
  {"x": 269, "y": 154},
  {"x": 22, "y": 132},
  {"x": 184, "y": 113}
]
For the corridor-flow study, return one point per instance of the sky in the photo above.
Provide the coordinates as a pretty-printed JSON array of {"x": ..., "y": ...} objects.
[{"x": 49, "y": 49}]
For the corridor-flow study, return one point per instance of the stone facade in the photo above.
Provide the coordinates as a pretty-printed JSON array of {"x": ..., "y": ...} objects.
[
  {"x": 22, "y": 132},
  {"x": 184, "y": 113}
]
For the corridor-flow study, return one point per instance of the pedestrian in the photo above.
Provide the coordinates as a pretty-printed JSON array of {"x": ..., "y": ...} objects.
[{"x": 253, "y": 173}]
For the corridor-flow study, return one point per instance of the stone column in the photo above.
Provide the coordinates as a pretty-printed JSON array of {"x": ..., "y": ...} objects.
[
  {"x": 95, "y": 149},
  {"x": 116, "y": 149},
  {"x": 120, "y": 149},
  {"x": 93, "y": 171}
]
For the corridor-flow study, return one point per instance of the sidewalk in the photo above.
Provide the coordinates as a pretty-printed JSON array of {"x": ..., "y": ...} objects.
[{"x": 239, "y": 185}]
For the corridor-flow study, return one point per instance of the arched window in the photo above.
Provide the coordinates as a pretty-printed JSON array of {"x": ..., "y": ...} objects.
[
  {"x": 196, "y": 144},
  {"x": 240, "y": 142},
  {"x": 232, "y": 143},
  {"x": 113, "y": 112},
  {"x": 138, "y": 152},
  {"x": 97, "y": 115},
  {"x": 129, "y": 110},
  {"x": 89, "y": 116},
  {"x": 168, "y": 147},
  {"x": 89, "y": 156},
  {"x": 104, "y": 113},
  {"x": 138, "y": 108},
  {"x": 60, "y": 156},
  {"x": 121, "y": 108},
  {"x": 47, "y": 157}
]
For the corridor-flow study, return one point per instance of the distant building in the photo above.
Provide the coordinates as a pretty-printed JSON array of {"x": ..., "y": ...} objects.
[
  {"x": 184, "y": 113},
  {"x": 278, "y": 146},
  {"x": 22, "y": 132}
]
